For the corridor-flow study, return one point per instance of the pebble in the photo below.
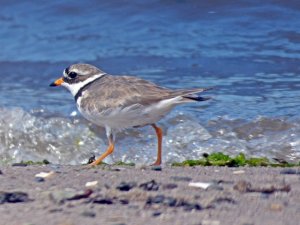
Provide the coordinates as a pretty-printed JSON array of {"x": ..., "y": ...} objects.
[
  {"x": 156, "y": 168},
  {"x": 124, "y": 201},
  {"x": 216, "y": 187},
  {"x": 88, "y": 214},
  {"x": 44, "y": 174},
  {"x": 150, "y": 186},
  {"x": 55, "y": 210},
  {"x": 81, "y": 194},
  {"x": 91, "y": 183},
  {"x": 13, "y": 197},
  {"x": 170, "y": 201},
  {"x": 103, "y": 201},
  {"x": 155, "y": 214},
  {"x": 126, "y": 186},
  {"x": 169, "y": 186},
  {"x": 238, "y": 172},
  {"x": 289, "y": 171},
  {"x": 202, "y": 185},
  {"x": 19, "y": 164},
  {"x": 158, "y": 199},
  {"x": 220, "y": 200},
  {"x": 178, "y": 178},
  {"x": 60, "y": 196},
  {"x": 173, "y": 202},
  {"x": 161, "y": 199},
  {"x": 39, "y": 179},
  {"x": 187, "y": 206},
  {"x": 1, "y": 172}
]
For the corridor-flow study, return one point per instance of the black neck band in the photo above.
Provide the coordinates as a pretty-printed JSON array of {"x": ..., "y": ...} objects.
[{"x": 79, "y": 92}]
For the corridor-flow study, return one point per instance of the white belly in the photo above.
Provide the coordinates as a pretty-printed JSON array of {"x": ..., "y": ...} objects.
[{"x": 131, "y": 116}]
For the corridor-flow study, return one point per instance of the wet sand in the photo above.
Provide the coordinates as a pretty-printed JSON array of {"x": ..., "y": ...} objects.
[{"x": 145, "y": 195}]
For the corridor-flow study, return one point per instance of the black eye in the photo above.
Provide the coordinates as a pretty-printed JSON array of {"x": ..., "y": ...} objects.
[{"x": 72, "y": 75}]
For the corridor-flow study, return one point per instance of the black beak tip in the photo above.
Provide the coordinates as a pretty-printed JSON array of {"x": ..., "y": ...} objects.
[{"x": 52, "y": 84}]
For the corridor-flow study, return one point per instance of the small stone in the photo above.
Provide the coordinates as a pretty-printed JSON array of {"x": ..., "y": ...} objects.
[
  {"x": 155, "y": 214},
  {"x": 60, "y": 196},
  {"x": 88, "y": 214},
  {"x": 124, "y": 201},
  {"x": 150, "y": 186},
  {"x": 238, "y": 172},
  {"x": 216, "y": 187},
  {"x": 178, "y": 178},
  {"x": 289, "y": 171},
  {"x": 91, "y": 183},
  {"x": 202, "y": 185},
  {"x": 187, "y": 206},
  {"x": 126, "y": 186},
  {"x": 1, "y": 172},
  {"x": 218, "y": 201},
  {"x": 103, "y": 201},
  {"x": 39, "y": 179},
  {"x": 21, "y": 164},
  {"x": 156, "y": 168},
  {"x": 170, "y": 201},
  {"x": 169, "y": 186},
  {"x": 55, "y": 210},
  {"x": 155, "y": 200},
  {"x": 13, "y": 197},
  {"x": 115, "y": 169},
  {"x": 44, "y": 174},
  {"x": 81, "y": 194}
]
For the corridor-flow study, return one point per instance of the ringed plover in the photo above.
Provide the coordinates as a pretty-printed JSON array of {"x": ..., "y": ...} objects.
[{"x": 120, "y": 102}]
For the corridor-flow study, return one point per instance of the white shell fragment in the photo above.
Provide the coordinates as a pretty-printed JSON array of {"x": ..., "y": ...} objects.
[
  {"x": 91, "y": 183},
  {"x": 200, "y": 185},
  {"x": 239, "y": 172},
  {"x": 44, "y": 174}
]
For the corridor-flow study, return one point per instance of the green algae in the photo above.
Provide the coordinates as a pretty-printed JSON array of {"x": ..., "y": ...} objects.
[
  {"x": 221, "y": 159},
  {"x": 120, "y": 163}
]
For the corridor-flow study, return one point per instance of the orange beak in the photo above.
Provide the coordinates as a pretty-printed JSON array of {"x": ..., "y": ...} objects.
[{"x": 58, "y": 82}]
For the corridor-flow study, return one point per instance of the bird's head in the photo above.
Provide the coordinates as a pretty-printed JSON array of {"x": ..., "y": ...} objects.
[{"x": 77, "y": 76}]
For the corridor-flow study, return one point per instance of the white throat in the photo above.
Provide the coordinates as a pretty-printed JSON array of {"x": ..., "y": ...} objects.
[{"x": 74, "y": 88}]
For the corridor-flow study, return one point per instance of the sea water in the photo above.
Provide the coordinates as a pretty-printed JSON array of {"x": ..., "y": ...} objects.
[{"x": 248, "y": 50}]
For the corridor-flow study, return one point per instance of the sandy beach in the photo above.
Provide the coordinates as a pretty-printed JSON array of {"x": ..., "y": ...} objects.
[{"x": 71, "y": 195}]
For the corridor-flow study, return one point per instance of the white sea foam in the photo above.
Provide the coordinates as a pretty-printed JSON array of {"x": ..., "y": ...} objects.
[{"x": 25, "y": 136}]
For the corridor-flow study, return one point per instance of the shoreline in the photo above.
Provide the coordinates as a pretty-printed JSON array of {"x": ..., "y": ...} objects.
[{"x": 105, "y": 194}]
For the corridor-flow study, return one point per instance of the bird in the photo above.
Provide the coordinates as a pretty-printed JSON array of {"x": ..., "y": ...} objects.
[{"x": 118, "y": 102}]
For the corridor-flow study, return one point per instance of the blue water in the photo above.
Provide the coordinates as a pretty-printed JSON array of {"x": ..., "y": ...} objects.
[{"x": 248, "y": 50}]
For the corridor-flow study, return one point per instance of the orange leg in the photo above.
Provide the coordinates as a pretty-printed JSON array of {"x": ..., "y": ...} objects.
[
  {"x": 159, "y": 135},
  {"x": 108, "y": 151}
]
